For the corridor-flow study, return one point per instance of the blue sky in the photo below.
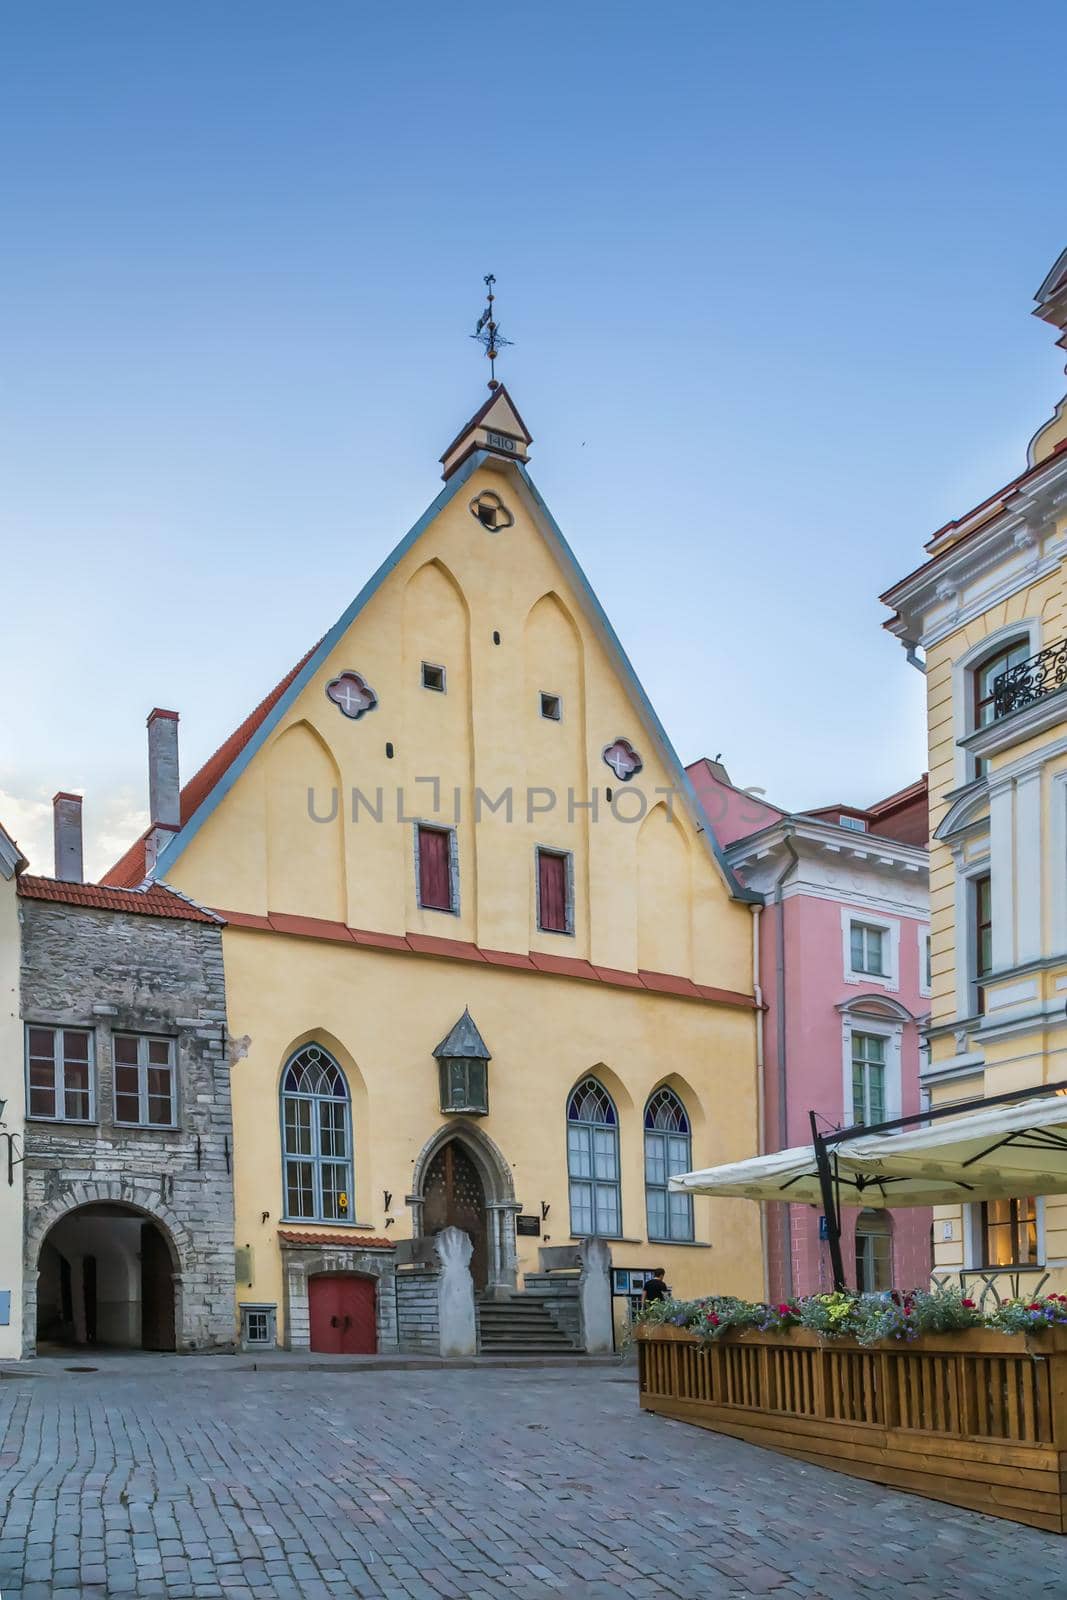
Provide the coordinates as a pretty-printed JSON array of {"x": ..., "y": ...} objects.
[{"x": 768, "y": 270}]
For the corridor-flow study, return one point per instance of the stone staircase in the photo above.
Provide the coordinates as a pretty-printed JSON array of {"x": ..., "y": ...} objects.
[{"x": 520, "y": 1325}]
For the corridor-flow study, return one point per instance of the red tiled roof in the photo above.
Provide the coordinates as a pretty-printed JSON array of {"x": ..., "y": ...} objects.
[
  {"x": 129, "y": 870},
  {"x": 354, "y": 1241},
  {"x": 155, "y": 901},
  {"x": 462, "y": 950}
]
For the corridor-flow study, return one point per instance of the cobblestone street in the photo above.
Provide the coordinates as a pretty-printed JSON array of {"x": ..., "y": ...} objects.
[{"x": 293, "y": 1486}]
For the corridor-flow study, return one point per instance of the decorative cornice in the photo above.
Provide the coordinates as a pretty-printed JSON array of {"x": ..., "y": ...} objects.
[{"x": 1018, "y": 726}]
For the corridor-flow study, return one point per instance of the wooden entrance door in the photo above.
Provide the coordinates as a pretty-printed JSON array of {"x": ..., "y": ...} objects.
[
  {"x": 453, "y": 1197},
  {"x": 157, "y": 1290},
  {"x": 342, "y": 1308}
]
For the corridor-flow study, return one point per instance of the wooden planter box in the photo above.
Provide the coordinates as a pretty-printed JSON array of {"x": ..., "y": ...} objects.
[{"x": 977, "y": 1419}]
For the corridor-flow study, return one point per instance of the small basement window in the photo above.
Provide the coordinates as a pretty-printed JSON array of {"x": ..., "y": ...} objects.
[
  {"x": 551, "y": 707},
  {"x": 433, "y": 677}
]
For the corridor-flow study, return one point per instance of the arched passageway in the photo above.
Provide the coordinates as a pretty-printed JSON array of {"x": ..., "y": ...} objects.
[{"x": 106, "y": 1279}]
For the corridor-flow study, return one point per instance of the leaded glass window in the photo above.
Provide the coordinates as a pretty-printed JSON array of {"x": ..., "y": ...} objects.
[
  {"x": 316, "y": 1138},
  {"x": 593, "y": 1161},
  {"x": 668, "y": 1152}
]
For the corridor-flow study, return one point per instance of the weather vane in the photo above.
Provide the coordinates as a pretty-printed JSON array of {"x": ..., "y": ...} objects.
[{"x": 488, "y": 333}]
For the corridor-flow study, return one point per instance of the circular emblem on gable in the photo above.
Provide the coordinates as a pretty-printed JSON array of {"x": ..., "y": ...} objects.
[
  {"x": 491, "y": 511},
  {"x": 351, "y": 694},
  {"x": 623, "y": 759}
]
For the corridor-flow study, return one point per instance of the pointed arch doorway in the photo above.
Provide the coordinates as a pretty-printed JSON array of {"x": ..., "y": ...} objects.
[
  {"x": 454, "y": 1197},
  {"x": 461, "y": 1180}
]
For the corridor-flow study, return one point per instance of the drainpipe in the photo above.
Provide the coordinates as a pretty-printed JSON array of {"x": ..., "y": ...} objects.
[
  {"x": 783, "y": 1103},
  {"x": 761, "y": 1142}
]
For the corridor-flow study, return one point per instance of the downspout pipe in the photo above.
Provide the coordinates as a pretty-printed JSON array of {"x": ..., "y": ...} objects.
[
  {"x": 911, "y": 656},
  {"x": 761, "y": 1139},
  {"x": 781, "y": 1036}
]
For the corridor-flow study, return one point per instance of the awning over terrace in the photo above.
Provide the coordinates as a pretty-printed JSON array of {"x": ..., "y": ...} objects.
[{"x": 1018, "y": 1149}]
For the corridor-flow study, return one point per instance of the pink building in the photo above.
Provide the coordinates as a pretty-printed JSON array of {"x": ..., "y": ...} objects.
[{"x": 843, "y": 945}]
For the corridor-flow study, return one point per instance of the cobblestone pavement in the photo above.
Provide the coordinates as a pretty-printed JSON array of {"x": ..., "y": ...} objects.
[{"x": 413, "y": 1485}]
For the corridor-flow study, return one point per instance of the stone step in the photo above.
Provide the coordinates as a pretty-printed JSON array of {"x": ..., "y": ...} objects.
[{"x": 520, "y": 1325}]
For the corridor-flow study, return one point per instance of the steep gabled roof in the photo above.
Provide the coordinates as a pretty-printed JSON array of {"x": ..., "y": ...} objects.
[
  {"x": 129, "y": 870},
  {"x": 215, "y": 779}
]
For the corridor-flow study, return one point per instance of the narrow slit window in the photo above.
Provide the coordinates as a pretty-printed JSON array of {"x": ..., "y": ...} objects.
[
  {"x": 434, "y": 850},
  {"x": 555, "y": 910},
  {"x": 551, "y": 707},
  {"x": 433, "y": 677}
]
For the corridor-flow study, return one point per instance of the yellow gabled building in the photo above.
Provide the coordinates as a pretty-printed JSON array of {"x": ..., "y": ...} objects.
[
  {"x": 989, "y": 609},
  {"x": 484, "y": 965}
]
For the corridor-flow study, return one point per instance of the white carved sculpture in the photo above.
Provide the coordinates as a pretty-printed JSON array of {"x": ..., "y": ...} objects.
[
  {"x": 594, "y": 1297},
  {"x": 455, "y": 1293}
]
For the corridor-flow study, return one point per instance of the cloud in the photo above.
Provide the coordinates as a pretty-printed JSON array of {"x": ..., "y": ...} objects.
[{"x": 112, "y": 821}]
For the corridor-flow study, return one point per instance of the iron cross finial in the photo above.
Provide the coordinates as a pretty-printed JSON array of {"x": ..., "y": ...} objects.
[{"x": 487, "y": 331}]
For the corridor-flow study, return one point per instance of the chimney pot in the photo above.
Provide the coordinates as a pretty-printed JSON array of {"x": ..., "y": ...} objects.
[
  {"x": 67, "y": 836},
  {"x": 163, "y": 784}
]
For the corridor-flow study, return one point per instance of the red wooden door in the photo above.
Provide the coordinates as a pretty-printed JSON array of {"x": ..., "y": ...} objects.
[{"x": 342, "y": 1309}]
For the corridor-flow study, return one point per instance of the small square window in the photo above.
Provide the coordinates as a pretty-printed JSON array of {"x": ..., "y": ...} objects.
[
  {"x": 433, "y": 677},
  {"x": 551, "y": 707}
]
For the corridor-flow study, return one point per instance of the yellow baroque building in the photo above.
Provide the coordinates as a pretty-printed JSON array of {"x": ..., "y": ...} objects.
[
  {"x": 989, "y": 609},
  {"x": 484, "y": 965}
]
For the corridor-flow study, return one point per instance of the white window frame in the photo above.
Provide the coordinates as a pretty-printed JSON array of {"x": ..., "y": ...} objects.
[
  {"x": 963, "y": 686},
  {"x": 854, "y": 824},
  {"x": 966, "y": 955},
  {"x": 59, "y": 1080},
  {"x": 926, "y": 955},
  {"x": 892, "y": 1031},
  {"x": 143, "y": 1064},
  {"x": 972, "y": 1239},
  {"x": 890, "y": 927},
  {"x": 1057, "y": 860}
]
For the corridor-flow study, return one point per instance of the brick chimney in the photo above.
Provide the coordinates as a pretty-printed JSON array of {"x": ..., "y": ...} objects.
[
  {"x": 67, "y": 834},
  {"x": 164, "y": 803}
]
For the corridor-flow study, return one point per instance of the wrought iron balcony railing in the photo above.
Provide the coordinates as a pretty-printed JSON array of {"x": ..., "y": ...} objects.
[{"x": 1031, "y": 680}]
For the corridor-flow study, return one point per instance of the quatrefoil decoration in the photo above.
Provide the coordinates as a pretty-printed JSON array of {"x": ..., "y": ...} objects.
[
  {"x": 352, "y": 695},
  {"x": 623, "y": 760},
  {"x": 491, "y": 511}
]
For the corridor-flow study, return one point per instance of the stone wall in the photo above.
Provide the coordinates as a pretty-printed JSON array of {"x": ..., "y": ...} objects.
[
  {"x": 111, "y": 972},
  {"x": 418, "y": 1325}
]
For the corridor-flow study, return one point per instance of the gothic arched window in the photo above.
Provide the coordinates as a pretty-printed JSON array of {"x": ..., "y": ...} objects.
[
  {"x": 593, "y": 1161},
  {"x": 668, "y": 1152},
  {"x": 316, "y": 1138}
]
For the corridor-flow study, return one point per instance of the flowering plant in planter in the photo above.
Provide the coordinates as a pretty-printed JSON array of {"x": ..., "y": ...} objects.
[{"x": 867, "y": 1318}]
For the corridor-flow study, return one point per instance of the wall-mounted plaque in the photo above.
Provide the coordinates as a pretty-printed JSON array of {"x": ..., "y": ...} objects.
[{"x": 530, "y": 1225}]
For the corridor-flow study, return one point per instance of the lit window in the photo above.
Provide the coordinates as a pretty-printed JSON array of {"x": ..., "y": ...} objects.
[
  {"x": 144, "y": 1080},
  {"x": 59, "y": 1064},
  {"x": 857, "y": 824},
  {"x": 435, "y": 868},
  {"x": 868, "y": 949},
  {"x": 1009, "y": 1233},
  {"x": 551, "y": 707},
  {"x": 433, "y": 677},
  {"x": 868, "y": 1078},
  {"x": 593, "y": 1161},
  {"x": 668, "y": 1152},
  {"x": 555, "y": 910},
  {"x": 316, "y": 1138}
]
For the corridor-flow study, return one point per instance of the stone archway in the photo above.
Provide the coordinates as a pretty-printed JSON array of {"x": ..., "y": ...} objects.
[
  {"x": 123, "y": 1203},
  {"x": 499, "y": 1191}
]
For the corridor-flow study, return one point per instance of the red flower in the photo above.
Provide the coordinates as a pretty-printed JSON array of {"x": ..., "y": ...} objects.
[
  {"x": 968, "y": 1303},
  {"x": 1035, "y": 1305},
  {"x": 783, "y": 1311},
  {"x": 713, "y": 1319}
]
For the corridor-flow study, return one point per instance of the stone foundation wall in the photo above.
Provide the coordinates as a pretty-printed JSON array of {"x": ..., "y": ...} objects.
[
  {"x": 418, "y": 1327},
  {"x": 108, "y": 973}
]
